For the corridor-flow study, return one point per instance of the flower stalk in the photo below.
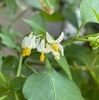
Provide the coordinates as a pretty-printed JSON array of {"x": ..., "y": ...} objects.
[{"x": 19, "y": 66}]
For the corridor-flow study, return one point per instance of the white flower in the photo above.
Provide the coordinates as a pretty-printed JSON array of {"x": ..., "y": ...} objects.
[
  {"x": 28, "y": 43},
  {"x": 55, "y": 44},
  {"x": 37, "y": 42},
  {"x": 43, "y": 49}
]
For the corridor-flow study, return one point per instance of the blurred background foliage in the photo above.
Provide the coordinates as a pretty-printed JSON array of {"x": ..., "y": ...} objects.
[{"x": 83, "y": 60}]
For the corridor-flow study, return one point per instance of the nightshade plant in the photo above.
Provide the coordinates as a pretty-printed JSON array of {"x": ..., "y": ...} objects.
[{"x": 43, "y": 66}]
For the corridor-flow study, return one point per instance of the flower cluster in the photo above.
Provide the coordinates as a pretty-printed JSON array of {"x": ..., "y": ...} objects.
[{"x": 45, "y": 45}]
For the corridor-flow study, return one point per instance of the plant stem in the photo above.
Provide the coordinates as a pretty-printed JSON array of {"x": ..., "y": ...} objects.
[
  {"x": 33, "y": 70},
  {"x": 75, "y": 39},
  {"x": 90, "y": 35},
  {"x": 73, "y": 67},
  {"x": 3, "y": 78},
  {"x": 5, "y": 96},
  {"x": 16, "y": 96},
  {"x": 36, "y": 63},
  {"x": 82, "y": 39},
  {"x": 19, "y": 66},
  {"x": 68, "y": 41},
  {"x": 84, "y": 68},
  {"x": 93, "y": 76},
  {"x": 80, "y": 28}
]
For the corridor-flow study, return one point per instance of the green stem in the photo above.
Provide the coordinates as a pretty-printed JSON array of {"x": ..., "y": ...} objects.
[
  {"x": 80, "y": 28},
  {"x": 19, "y": 66},
  {"x": 48, "y": 64},
  {"x": 82, "y": 39},
  {"x": 36, "y": 63},
  {"x": 93, "y": 76},
  {"x": 16, "y": 96},
  {"x": 73, "y": 67},
  {"x": 3, "y": 78},
  {"x": 5, "y": 96},
  {"x": 33, "y": 70},
  {"x": 23, "y": 75},
  {"x": 68, "y": 41},
  {"x": 84, "y": 68},
  {"x": 94, "y": 60},
  {"x": 74, "y": 39},
  {"x": 90, "y": 35},
  {"x": 81, "y": 68}
]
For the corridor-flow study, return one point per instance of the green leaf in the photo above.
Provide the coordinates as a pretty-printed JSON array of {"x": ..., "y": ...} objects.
[
  {"x": 37, "y": 24},
  {"x": 54, "y": 17},
  {"x": 16, "y": 83},
  {"x": 69, "y": 1},
  {"x": 87, "y": 13},
  {"x": 70, "y": 16},
  {"x": 6, "y": 40},
  {"x": 78, "y": 77},
  {"x": 20, "y": 95},
  {"x": 9, "y": 97},
  {"x": 11, "y": 5},
  {"x": 79, "y": 54},
  {"x": 49, "y": 6},
  {"x": 25, "y": 70},
  {"x": 34, "y": 3},
  {"x": 63, "y": 63},
  {"x": 96, "y": 14},
  {"x": 9, "y": 66},
  {"x": 50, "y": 85},
  {"x": 3, "y": 90},
  {"x": 90, "y": 91},
  {"x": 9, "y": 62}
]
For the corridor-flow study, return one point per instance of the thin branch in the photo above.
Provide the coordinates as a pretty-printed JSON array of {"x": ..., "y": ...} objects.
[
  {"x": 19, "y": 66},
  {"x": 5, "y": 96},
  {"x": 16, "y": 96},
  {"x": 3, "y": 78},
  {"x": 33, "y": 70}
]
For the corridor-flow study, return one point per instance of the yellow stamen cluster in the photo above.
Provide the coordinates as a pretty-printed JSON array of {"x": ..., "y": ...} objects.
[
  {"x": 55, "y": 47},
  {"x": 26, "y": 52},
  {"x": 42, "y": 57}
]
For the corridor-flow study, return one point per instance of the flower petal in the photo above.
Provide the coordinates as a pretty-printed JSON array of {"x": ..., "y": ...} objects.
[
  {"x": 24, "y": 42},
  {"x": 30, "y": 35},
  {"x": 41, "y": 46},
  {"x": 29, "y": 42},
  {"x": 33, "y": 42},
  {"x": 48, "y": 49},
  {"x": 60, "y": 38},
  {"x": 38, "y": 48},
  {"x": 61, "y": 49},
  {"x": 48, "y": 37},
  {"x": 37, "y": 42}
]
